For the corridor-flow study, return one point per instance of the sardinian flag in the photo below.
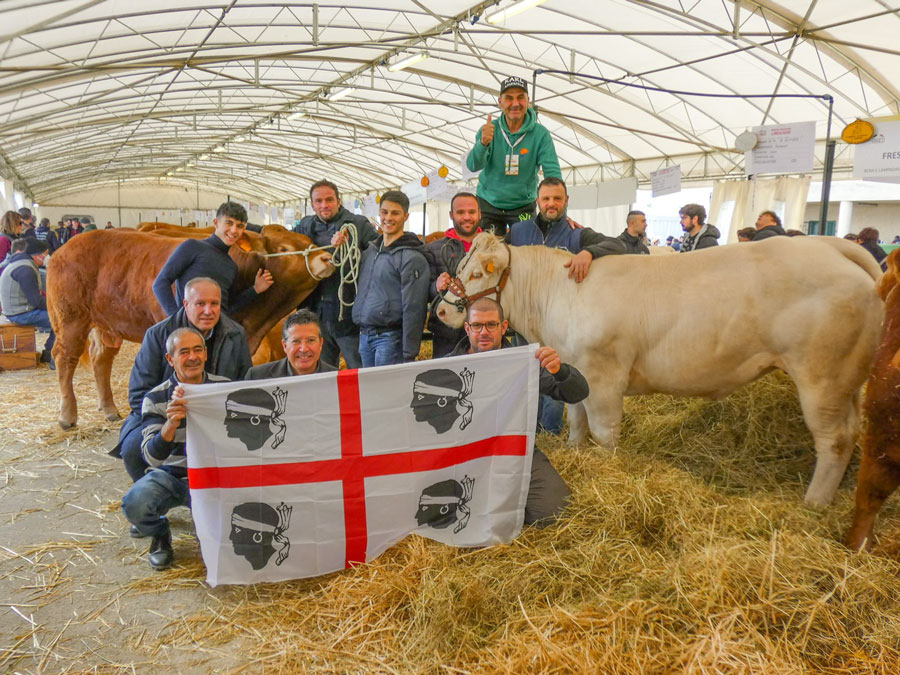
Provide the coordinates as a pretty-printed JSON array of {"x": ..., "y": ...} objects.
[{"x": 300, "y": 476}]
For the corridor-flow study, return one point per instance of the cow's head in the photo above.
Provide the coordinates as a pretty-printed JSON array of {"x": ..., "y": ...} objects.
[
  {"x": 277, "y": 239},
  {"x": 481, "y": 270}
]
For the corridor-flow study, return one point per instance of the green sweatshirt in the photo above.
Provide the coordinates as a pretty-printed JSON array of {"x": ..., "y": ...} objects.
[{"x": 534, "y": 150}]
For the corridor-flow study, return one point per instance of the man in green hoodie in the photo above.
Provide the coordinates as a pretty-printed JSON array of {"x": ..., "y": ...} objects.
[{"x": 508, "y": 152}]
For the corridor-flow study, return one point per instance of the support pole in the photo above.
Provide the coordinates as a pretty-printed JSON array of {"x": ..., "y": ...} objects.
[{"x": 827, "y": 170}]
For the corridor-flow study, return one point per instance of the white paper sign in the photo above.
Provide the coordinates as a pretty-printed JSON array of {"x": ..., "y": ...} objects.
[
  {"x": 370, "y": 207},
  {"x": 466, "y": 174},
  {"x": 666, "y": 181},
  {"x": 782, "y": 148},
  {"x": 878, "y": 159},
  {"x": 416, "y": 193},
  {"x": 439, "y": 188},
  {"x": 300, "y": 476},
  {"x": 289, "y": 217}
]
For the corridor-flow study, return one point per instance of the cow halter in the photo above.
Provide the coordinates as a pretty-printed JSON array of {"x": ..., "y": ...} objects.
[{"x": 464, "y": 300}]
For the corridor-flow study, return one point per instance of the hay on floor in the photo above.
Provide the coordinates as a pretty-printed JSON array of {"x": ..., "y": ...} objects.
[{"x": 688, "y": 549}]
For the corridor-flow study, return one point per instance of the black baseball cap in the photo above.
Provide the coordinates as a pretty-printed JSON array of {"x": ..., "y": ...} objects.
[
  {"x": 513, "y": 82},
  {"x": 34, "y": 246}
]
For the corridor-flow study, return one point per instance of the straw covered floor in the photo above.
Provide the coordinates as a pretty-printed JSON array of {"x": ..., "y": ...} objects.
[{"x": 688, "y": 549}]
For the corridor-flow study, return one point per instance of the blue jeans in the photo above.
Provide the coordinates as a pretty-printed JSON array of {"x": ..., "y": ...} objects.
[
  {"x": 39, "y": 318},
  {"x": 148, "y": 501},
  {"x": 381, "y": 349},
  {"x": 550, "y": 414}
]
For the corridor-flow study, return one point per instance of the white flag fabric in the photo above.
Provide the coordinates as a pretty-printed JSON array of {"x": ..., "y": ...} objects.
[{"x": 300, "y": 476}]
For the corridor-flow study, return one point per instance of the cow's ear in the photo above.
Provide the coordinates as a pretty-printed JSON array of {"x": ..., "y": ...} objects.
[
  {"x": 489, "y": 266},
  {"x": 244, "y": 243}
]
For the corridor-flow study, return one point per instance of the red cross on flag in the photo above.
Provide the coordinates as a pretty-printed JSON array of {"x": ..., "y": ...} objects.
[{"x": 300, "y": 476}]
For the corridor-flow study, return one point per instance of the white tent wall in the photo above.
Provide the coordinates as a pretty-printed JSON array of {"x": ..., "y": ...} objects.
[
  {"x": 883, "y": 216},
  {"x": 738, "y": 203},
  {"x": 164, "y": 203}
]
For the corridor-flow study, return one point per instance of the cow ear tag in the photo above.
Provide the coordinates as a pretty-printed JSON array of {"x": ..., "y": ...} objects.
[{"x": 489, "y": 268}]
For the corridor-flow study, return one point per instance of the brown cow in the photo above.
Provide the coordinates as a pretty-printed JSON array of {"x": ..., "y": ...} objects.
[
  {"x": 879, "y": 469},
  {"x": 103, "y": 279}
]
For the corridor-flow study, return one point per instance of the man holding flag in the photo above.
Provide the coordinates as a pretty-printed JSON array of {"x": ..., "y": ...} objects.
[
  {"x": 485, "y": 329},
  {"x": 165, "y": 486}
]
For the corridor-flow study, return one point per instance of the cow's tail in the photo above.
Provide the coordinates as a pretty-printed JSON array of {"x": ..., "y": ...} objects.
[{"x": 855, "y": 254}]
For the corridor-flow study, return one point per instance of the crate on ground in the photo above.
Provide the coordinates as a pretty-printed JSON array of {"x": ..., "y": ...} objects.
[{"x": 18, "y": 346}]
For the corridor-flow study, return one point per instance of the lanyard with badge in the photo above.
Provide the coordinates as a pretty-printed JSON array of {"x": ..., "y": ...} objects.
[{"x": 512, "y": 158}]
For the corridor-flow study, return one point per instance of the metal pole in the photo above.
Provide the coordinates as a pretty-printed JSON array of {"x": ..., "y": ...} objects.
[
  {"x": 827, "y": 170},
  {"x": 424, "y": 209}
]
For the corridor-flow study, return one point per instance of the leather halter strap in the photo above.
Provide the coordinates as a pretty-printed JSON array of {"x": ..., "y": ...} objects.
[{"x": 459, "y": 290}]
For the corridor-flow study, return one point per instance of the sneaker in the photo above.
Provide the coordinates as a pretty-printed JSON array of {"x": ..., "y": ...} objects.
[{"x": 161, "y": 553}]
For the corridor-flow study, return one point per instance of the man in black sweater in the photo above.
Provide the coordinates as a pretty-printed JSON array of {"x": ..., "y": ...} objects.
[
  {"x": 485, "y": 328},
  {"x": 209, "y": 258}
]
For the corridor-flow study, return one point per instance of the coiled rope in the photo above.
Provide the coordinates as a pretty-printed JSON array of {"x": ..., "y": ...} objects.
[{"x": 346, "y": 257}]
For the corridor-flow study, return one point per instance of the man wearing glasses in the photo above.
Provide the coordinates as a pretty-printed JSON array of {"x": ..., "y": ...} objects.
[{"x": 485, "y": 329}]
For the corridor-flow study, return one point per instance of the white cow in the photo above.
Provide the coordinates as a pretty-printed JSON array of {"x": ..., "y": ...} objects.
[{"x": 700, "y": 324}]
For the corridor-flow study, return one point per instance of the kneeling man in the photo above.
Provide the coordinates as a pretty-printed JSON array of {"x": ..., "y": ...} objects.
[
  {"x": 302, "y": 340},
  {"x": 485, "y": 329},
  {"x": 165, "y": 485}
]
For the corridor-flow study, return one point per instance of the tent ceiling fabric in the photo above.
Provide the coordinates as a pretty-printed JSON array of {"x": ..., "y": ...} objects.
[{"x": 93, "y": 92}]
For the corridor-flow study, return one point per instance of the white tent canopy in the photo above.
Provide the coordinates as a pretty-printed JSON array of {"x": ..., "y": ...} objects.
[{"x": 258, "y": 99}]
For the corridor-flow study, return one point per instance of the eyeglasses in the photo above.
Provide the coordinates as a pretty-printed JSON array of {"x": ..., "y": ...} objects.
[{"x": 490, "y": 325}]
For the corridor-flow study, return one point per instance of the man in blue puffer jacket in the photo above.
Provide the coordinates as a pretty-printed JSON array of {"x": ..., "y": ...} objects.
[{"x": 393, "y": 289}]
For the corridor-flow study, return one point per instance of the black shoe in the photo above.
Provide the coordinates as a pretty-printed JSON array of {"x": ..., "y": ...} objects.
[
  {"x": 135, "y": 533},
  {"x": 161, "y": 553}
]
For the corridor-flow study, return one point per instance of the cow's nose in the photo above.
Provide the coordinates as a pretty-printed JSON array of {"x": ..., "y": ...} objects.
[{"x": 441, "y": 313}]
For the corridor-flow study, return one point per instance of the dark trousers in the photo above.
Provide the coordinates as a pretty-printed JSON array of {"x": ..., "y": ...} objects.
[
  {"x": 499, "y": 221},
  {"x": 547, "y": 492},
  {"x": 333, "y": 346},
  {"x": 129, "y": 447}
]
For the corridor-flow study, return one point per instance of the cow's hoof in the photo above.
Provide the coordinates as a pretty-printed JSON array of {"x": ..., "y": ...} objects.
[
  {"x": 67, "y": 425},
  {"x": 113, "y": 416}
]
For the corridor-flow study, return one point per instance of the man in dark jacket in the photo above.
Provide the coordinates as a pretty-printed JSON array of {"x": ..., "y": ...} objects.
[
  {"x": 163, "y": 413},
  {"x": 27, "y": 217},
  {"x": 22, "y": 295},
  {"x": 44, "y": 233},
  {"x": 340, "y": 333},
  {"x": 228, "y": 355},
  {"x": 485, "y": 328},
  {"x": 209, "y": 258},
  {"x": 768, "y": 224},
  {"x": 697, "y": 232},
  {"x": 443, "y": 257},
  {"x": 302, "y": 340},
  {"x": 552, "y": 228},
  {"x": 633, "y": 236},
  {"x": 390, "y": 306}
]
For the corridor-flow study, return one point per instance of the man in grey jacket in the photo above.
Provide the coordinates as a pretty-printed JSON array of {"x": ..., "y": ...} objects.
[
  {"x": 393, "y": 289},
  {"x": 22, "y": 294},
  {"x": 302, "y": 340}
]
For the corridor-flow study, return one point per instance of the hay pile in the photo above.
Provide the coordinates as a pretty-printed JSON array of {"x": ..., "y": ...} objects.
[{"x": 686, "y": 550}]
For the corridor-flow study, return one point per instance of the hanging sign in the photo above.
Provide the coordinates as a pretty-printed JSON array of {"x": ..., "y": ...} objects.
[
  {"x": 782, "y": 148},
  {"x": 879, "y": 158},
  {"x": 666, "y": 181}
]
